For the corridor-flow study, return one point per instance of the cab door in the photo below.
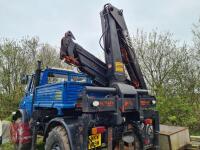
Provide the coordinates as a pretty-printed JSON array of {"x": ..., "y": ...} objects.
[{"x": 27, "y": 100}]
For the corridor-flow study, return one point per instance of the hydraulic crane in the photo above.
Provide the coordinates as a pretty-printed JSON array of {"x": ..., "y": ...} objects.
[
  {"x": 119, "y": 52},
  {"x": 119, "y": 56}
]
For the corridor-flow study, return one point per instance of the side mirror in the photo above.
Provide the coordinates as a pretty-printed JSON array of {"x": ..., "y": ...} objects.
[{"x": 24, "y": 79}]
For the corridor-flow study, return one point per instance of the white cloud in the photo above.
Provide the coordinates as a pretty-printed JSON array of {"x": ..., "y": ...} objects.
[{"x": 49, "y": 19}]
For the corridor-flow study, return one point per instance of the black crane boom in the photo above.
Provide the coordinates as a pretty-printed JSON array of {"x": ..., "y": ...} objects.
[{"x": 118, "y": 49}]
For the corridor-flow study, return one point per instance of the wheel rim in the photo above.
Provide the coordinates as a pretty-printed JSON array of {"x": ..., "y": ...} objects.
[{"x": 56, "y": 147}]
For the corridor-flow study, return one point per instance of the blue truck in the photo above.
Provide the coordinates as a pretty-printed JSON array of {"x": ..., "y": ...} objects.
[{"x": 105, "y": 107}]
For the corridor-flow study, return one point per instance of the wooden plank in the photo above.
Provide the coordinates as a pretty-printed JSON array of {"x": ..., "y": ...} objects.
[
  {"x": 193, "y": 146},
  {"x": 195, "y": 138}
]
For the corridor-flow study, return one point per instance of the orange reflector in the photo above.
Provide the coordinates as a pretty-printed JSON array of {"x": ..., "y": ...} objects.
[
  {"x": 94, "y": 130},
  {"x": 148, "y": 121},
  {"x": 97, "y": 130}
]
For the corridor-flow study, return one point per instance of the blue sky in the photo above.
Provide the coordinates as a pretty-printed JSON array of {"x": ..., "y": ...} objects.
[{"x": 49, "y": 19}]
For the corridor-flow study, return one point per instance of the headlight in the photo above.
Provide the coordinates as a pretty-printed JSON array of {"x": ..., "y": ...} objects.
[
  {"x": 153, "y": 102},
  {"x": 95, "y": 103}
]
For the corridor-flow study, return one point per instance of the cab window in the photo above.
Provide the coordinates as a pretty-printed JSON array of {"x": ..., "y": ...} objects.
[
  {"x": 78, "y": 78},
  {"x": 56, "y": 78},
  {"x": 30, "y": 86}
]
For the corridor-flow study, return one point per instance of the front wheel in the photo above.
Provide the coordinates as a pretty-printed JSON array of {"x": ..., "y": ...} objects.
[{"x": 57, "y": 139}]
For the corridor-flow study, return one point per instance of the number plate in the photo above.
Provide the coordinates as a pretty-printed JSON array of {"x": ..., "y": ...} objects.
[{"x": 94, "y": 141}]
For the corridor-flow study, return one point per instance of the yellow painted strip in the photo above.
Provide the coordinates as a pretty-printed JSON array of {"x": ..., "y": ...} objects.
[{"x": 119, "y": 67}]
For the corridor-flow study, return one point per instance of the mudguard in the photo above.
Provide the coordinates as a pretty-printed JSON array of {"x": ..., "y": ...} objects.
[
  {"x": 75, "y": 128},
  {"x": 22, "y": 113},
  {"x": 20, "y": 130}
]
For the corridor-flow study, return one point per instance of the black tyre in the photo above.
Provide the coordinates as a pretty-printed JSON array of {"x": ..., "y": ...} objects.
[{"x": 57, "y": 139}]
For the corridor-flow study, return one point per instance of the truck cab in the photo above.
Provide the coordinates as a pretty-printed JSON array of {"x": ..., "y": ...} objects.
[{"x": 57, "y": 89}]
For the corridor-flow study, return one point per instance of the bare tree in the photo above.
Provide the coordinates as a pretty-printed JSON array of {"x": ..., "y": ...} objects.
[
  {"x": 49, "y": 56},
  {"x": 159, "y": 57}
]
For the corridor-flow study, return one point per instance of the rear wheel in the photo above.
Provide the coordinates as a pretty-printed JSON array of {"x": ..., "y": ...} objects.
[{"x": 57, "y": 139}]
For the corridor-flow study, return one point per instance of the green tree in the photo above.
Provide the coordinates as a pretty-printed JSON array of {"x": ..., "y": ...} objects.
[
  {"x": 19, "y": 57},
  {"x": 49, "y": 56},
  {"x": 170, "y": 75}
]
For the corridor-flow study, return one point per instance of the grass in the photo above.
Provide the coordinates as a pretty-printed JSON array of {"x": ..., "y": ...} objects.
[
  {"x": 9, "y": 146},
  {"x": 197, "y": 133},
  {"x": 40, "y": 144}
]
